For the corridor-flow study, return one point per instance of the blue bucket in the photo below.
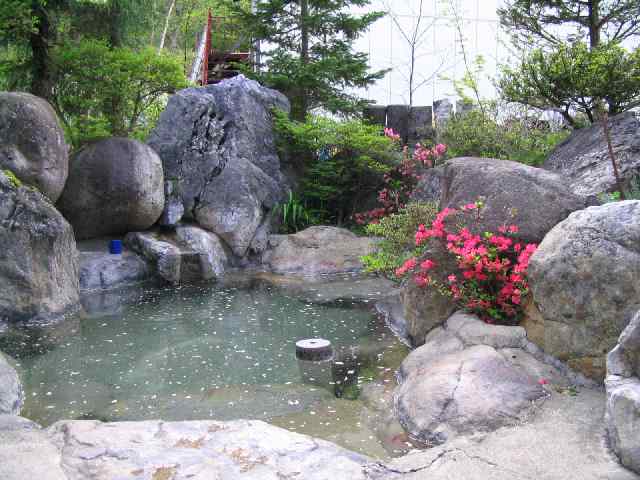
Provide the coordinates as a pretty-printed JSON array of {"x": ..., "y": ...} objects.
[{"x": 115, "y": 247}]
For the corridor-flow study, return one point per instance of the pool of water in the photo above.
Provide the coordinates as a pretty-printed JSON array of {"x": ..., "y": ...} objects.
[{"x": 216, "y": 352}]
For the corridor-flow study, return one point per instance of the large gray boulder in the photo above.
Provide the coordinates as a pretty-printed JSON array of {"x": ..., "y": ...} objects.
[
  {"x": 317, "y": 250},
  {"x": 11, "y": 393},
  {"x": 623, "y": 396},
  {"x": 221, "y": 165},
  {"x": 532, "y": 198},
  {"x": 583, "y": 158},
  {"x": 32, "y": 142},
  {"x": 115, "y": 186},
  {"x": 584, "y": 279},
  {"x": 38, "y": 259},
  {"x": 199, "y": 449}
]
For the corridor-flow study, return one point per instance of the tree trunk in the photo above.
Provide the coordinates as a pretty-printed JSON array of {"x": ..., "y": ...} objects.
[
  {"x": 594, "y": 23},
  {"x": 115, "y": 24},
  {"x": 304, "y": 59},
  {"x": 166, "y": 25},
  {"x": 40, "y": 39},
  {"x": 113, "y": 105},
  {"x": 612, "y": 156}
]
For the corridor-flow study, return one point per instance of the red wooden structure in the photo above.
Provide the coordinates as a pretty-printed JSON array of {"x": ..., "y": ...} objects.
[{"x": 218, "y": 63}]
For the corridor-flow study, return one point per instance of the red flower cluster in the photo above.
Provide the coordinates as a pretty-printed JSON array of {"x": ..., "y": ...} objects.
[
  {"x": 401, "y": 181},
  {"x": 491, "y": 269},
  {"x": 428, "y": 156}
]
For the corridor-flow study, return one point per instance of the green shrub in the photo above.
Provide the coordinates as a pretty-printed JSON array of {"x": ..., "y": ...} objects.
[
  {"x": 397, "y": 232},
  {"x": 342, "y": 162},
  {"x": 478, "y": 133}
]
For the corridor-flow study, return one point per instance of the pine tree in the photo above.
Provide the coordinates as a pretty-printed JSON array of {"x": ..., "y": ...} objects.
[
  {"x": 309, "y": 52},
  {"x": 545, "y": 22},
  {"x": 580, "y": 64}
]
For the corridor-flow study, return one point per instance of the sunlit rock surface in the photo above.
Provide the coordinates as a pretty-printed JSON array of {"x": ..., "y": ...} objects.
[
  {"x": 186, "y": 254},
  {"x": 115, "y": 186},
  {"x": 201, "y": 450}
]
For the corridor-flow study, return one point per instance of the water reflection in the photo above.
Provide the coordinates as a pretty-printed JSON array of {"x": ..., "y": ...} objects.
[{"x": 200, "y": 352}]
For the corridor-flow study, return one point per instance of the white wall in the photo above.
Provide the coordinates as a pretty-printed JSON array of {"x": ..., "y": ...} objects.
[{"x": 440, "y": 51}]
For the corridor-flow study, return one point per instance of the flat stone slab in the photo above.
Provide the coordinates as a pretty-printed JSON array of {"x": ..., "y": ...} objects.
[
  {"x": 564, "y": 440},
  {"x": 102, "y": 270},
  {"x": 198, "y": 450}
]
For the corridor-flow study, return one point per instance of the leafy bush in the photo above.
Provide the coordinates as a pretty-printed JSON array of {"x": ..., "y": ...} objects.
[
  {"x": 491, "y": 275},
  {"x": 400, "y": 182},
  {"x": 397, "y": 231},
  {"x": 343, "y": 162},
  {"x": 102, "y": 91},
  {"x": 479, "y": 133}
]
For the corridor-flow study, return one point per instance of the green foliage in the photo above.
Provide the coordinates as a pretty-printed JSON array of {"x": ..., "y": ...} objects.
[
  {"x": 16, "y": 19},
  {"x": 294, "y": 216},
  {"x": 517, "y": 137},
  {"x": 397, "y": 233},
  {"x": 342, "y": 161},
  {"x": 89, "y": 74},
  {"x": 13, "y": 180},
  {"x": 574, "y": 78},
  {"x": 312, "y": 60}
]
